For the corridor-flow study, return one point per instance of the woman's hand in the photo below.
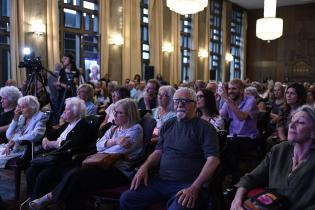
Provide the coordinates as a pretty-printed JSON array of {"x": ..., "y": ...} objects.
[
  {"x": 124, "y": 142},
  {"x": 17, "y": 113},
  {"x": 8, "y": 148},
  {"x": 46, "y": 144}
]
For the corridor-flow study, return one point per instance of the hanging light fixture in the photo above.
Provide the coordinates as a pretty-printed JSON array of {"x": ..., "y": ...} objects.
[
  {"x": 185, "y": 7},
  {"x": 269, "y": 27}
]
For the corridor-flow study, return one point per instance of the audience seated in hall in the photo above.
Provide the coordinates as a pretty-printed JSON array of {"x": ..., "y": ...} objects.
[
  {"x": 72, "y": 135},
  {"x": 187, "y": 156},
  {"x": 123, "y": 138},
  {"x": 28, "y": 124},
  {"x": 288, "y": 168},
  {"x": 9, "y": 97}
]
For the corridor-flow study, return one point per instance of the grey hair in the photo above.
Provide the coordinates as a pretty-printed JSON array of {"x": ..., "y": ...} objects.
[
  {"x": 12, "y": 93},
  {"x": 191, "y": 93},
  {"x": 170, "y": 92},
  {"x": 130, "y": 108},
  {"x": 76, "y": 106},
  {"x": 252, "y": 90},
  {"x": 31, "y": 101},
  {"x": 309, "y": 110},
  {"x": 90, "y": 90}
]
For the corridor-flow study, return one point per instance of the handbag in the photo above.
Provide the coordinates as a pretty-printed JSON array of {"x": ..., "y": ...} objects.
[
  {"x": 102, "y": 160},
  {"x": 266, "y": 199},
  {"x": 45, "y": 160}
]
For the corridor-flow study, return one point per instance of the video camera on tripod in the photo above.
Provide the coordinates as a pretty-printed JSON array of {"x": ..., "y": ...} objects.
[{"x": 31, "y": 63}]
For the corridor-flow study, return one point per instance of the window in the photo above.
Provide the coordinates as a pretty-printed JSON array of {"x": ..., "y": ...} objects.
[
  {"x": 5, "y": 72},
  {"x": 145, "y": 47},
  {"x": 80, "y": 30},
  {"x": 215, "y": 46},
  {"x": 236, "y": 42},
  {"x": 185, "y": 43}
]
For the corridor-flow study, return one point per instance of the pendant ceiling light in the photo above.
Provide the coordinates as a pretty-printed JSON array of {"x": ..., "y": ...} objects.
[
  {"x": 185, "y": 7},
  {"x": 269, "y": 27}
]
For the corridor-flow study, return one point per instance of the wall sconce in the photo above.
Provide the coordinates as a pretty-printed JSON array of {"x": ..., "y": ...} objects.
[
  {"x": 167, "y": 47},
  {"x": 116, "y": 40},
  {"x": 38, "y": 28},
  {"x": 202, "y": 53},
  {"x": 229, "y": 57}
]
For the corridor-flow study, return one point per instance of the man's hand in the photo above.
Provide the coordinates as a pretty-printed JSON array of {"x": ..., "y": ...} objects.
[
  {"x": 45, "y": 143},
  {"x": 236, "y": 204},
  {"x": 187, "y": 197},
  {"x": 142, "y": 174}
]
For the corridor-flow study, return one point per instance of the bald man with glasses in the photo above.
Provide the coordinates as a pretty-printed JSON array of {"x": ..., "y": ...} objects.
[{"x": 187, "y": 155}]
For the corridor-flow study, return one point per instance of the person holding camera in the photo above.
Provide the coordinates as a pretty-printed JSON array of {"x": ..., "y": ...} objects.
[{"x": 67, "y": 81}]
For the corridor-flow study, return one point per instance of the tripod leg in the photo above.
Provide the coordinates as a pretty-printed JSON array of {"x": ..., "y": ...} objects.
[{"x": 29, "y": 84}]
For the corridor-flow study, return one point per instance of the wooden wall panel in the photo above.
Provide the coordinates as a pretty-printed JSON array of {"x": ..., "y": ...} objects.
[{"x": 291, "y": 56}]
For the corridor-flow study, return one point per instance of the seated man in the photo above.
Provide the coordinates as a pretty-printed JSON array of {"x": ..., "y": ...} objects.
[
  {"x": 149, "y": 99},
  {"x": 243, "y": 133},
  {"x": 187, "y": 154}
]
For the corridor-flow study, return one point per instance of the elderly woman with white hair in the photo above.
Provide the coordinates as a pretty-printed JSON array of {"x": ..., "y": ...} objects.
[
  {"x": 9, "y": 97},
  {"x": 28, "y": 124},
  {"x": 72, "y": 135},
  {"x": 288, "y": 168}
]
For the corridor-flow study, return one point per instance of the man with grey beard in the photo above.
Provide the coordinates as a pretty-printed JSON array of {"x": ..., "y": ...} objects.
[{"x": 187, "y": 155}]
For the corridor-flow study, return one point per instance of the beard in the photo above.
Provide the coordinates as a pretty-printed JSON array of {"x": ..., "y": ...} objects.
[{"x": 180, "y": 114}]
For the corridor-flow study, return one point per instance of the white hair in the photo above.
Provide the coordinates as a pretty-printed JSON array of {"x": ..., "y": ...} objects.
[
  {"x": 12, "y": 93},
  {"x": 76, "y": 106},
  {"x": 31, "y": 101},
  {"x": 191, "y": 93}
]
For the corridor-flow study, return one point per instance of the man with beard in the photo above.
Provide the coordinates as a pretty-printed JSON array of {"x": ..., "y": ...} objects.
[
  {"x": 149, "y": 99},
  {"x": 187, "y": 155},
  {"x": 243, "y": 133}
]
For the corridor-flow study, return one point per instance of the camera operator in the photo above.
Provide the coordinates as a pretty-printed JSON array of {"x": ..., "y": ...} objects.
[{"x": 67, "y": 81}]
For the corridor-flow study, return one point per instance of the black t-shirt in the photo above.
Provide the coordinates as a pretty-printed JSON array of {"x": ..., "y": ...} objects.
[
  {"x": 186, "y": 145},
  {"x": 153, "y": 103}
]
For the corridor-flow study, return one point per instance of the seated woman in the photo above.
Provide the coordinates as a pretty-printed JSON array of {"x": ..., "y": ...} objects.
[
  {"x": 207, "y": 109},
  {"x": 9, "y": 97},
  {"x": 28, "y": 124},
  {"x": 288, "y": 168},
  {"x": 295, "y": 96},
  {"x": 165, "y": 110},
  {"x": 117, "y": 94},
  {"x": 73, "y": 135},
  {"x": 123, "y": 138},
  {"x": 86, "y": 93}
]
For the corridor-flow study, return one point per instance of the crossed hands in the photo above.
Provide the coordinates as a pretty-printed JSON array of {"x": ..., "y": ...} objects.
[
  {"x": 123, "y": 141},
  {"x": 46, "y": 144}
]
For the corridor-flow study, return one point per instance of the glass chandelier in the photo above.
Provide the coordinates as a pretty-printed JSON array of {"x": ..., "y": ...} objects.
[
  {"x": 185, "y": 7},
  {"x": 269, "y": 27}
]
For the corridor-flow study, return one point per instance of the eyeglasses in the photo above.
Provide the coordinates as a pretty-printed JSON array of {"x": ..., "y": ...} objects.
[
  {"x": 200, "y": 97},
  {"x": 118, "y": 112},
  {"x": 183, "y": 101},
  {"x": 163, "y": 95}
]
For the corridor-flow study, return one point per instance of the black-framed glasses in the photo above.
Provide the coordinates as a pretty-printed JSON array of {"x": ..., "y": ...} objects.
[{"x": 183, "y": 101}]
